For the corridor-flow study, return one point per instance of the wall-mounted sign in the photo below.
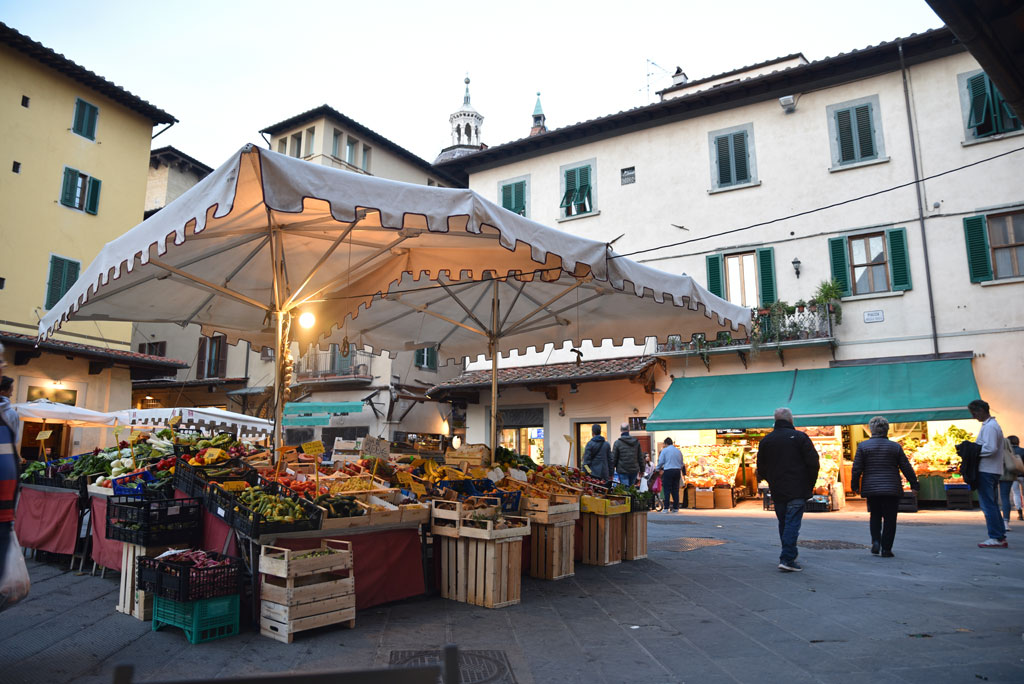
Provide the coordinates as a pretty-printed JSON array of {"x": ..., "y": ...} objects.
[{"x": 874, "y": 316}]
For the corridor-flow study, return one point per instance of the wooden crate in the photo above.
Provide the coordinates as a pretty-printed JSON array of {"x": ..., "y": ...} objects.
[
  {"x": 447, "y": 516},
  {"x": 609, "y": 505},
  {"x": 347, "y": 523},
  {"x": 554, "y": 508},
  {"x": 705, "y": 498},
  {"x": 723, "y": 497},
  {"x": 305, "y": 593},
  {"x": 485, "y": 529},
  {"x": 415, "y": 513},
  {"x": 482, "y": 572},
  {"x": 636, "y": 536},
  {"x": 131, "y": 600},
  {"x": 281, "y": 562},
  {"x": 603, "y": 539},
  {"x": 552, "y": 550}
]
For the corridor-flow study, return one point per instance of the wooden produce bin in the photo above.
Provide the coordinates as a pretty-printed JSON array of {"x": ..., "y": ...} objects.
[
  {"x": 705, "y": 498},
  {"x": 131, "y": 600},
  {"x": 636, "y": 536},
  {"x": 552, "y": 549},
  {"x": 483, "y": 572},
  {"x": 723, "y": 497},
  {"x": 691, "y": 496},
  {"x": 603, "y": 538},
  {"x": 302, "y": 592}
]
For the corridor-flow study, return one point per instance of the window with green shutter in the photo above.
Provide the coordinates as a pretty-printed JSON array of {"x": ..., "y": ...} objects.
[
  {"x": 577, "y": 196},
  {"x": 80, "y": 191},
  {"x": 426, "y": 358},
  {"x": 714, "y": 266},
  {"x": 513, "y": 197},
  {"x": 979, "y": 262},
  {"x": 869, "y": 263},
  {"x": 63, "y": 274},
  {"x": 740, "y": 273},
  {"x": 855, "y": 137},
  {"x": 766, "y": 276},
  {"x": 988, "y": 113},
  {"x": 733, "y": 165},
  {"x": 84, "y": 123}
]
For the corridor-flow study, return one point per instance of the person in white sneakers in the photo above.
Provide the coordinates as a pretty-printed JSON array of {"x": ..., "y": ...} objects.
[{"x": 990, "y": 469}]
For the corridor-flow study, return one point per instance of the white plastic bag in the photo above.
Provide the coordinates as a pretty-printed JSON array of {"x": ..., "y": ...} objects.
[{"x": 15, "y": 583}]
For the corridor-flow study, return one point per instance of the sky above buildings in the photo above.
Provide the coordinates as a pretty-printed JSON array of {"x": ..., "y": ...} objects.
[{"x": 226, "y": 70}]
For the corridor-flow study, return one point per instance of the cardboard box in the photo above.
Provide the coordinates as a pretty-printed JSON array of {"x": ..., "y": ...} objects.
[
  {"x": 705, "y": 498},
  {"x": 723, "y": 497}
]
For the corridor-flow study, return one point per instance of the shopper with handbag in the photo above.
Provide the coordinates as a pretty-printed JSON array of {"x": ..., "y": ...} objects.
[{"x": 1013, "y": 468}]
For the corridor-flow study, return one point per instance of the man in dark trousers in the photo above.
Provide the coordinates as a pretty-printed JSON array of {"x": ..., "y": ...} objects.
[
  {"x": 787, "y": 459},
  {"x": 597, "y": 456},
  {"x": 627, "y": 458}
]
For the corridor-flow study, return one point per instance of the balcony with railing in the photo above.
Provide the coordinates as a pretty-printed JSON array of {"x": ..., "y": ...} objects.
[
  {"x": 772, "y": 332},
  {"x": 332, "y": 366}
]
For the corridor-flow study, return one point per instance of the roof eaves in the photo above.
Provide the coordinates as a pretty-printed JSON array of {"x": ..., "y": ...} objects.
[
  {"x": 63, "y": 65},
  {"x": 128, "y": 358},
  {"x": 726, "y": 74},
  {"x": 169, "y": 151}
]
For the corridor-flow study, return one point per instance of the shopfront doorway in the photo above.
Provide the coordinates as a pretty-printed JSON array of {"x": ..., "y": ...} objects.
[
  {"x": 521, "y": 429},
  {"x": 582, "y": 435}
]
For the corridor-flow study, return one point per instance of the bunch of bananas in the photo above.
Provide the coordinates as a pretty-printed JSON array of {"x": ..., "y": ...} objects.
[{"x": 432, "y": 472}]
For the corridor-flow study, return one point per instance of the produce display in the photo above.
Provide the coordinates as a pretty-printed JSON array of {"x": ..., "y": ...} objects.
[
  {"x": 707, "y": 466},
  {"x": 339, "y": 506},
  {"x": 272, "y": 507},
  {"x": 937, "y": 456}
]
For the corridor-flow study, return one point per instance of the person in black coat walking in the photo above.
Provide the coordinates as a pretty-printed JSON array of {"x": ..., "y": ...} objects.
[{"x": 876, "y": 477}]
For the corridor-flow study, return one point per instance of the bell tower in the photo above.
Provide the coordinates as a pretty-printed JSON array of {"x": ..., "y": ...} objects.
[{"x": 466, "y": 123}]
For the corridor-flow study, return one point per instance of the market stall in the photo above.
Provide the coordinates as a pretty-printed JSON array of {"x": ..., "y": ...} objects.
[{"x": 207, "y": 419}]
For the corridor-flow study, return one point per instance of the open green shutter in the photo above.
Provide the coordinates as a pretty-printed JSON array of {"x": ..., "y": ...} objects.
[
  {"x": 724, "y": 161},
  {"x": 519, "y": 198},
  {"x": 583, "y": 189},
  {"x": 506, "y": 197},
  {"x": 766, "y": 276},
  {"x": 78, "y": 123},
  {"x": 570, "y": 188},
  {"x": 90, "y": 121},
  {"x": 865, "y": 133},
  {"x": 979, "y": 260},
  {"x": 55, "y": 281},
  {"x": 844, "y": 136},
  {"x": 421, "y": 357},
  {"x": 977, "y": 90},
  {"x": 714, "y": 264},
  {"x": 67, "y": 191},
  {"x": 899, "y": 260},
  {"x": 739, "y": 156},
  {"x": 70, "y": 275},
  {"x": 92, "y": 196},
  {"x": 432, "y": 358},
  {"x": 840, "y": 261}
]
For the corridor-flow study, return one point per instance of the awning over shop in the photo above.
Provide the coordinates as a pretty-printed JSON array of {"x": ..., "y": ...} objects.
[
  {"x": 851, "y": 395},
  {"x": 313, "y": 413}
]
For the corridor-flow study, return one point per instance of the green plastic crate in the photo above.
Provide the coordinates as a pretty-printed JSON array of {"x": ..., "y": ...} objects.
[{"x": 205, "y": 620}]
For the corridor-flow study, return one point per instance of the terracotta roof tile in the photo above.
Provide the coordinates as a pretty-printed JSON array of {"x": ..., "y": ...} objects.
[
  {"x": 587, "y": 371},
  {"x": 90, "y": 351}
]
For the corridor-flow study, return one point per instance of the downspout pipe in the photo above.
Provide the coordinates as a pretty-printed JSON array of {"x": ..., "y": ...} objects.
[{"x": 920, "y": 202}]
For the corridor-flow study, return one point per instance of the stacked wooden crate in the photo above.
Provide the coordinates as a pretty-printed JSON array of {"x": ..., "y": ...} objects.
[
  {"x": 552, "y": 534},
  {"x": 306, "y": 589}
]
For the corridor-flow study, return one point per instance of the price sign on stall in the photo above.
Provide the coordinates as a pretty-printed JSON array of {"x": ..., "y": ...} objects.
[
  {"x": 44, "y": 434},
  {"x": 371, "y": 447},
  {"x": 173, "y": 420},
  {"x": 313, "y": 448}
]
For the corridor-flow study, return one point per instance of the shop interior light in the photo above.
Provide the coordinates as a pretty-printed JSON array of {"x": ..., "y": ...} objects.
[
  {"x": 307, "y": 320},
  {"x": 149, "y": 397}
]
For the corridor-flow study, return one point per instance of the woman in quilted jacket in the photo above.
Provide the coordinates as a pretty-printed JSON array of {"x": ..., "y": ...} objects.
[{"x": 876, "y": 477}]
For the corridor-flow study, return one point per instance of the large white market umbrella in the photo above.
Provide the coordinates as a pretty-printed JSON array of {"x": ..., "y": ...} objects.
[
  {"x": 74, "y": 416},
  {"x": 387, "y": 265},
  {"x": 208, "y": 417}
]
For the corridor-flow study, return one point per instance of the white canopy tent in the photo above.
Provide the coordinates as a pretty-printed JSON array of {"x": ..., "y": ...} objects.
[
  {"x": 382, "y": 265},
  {"x": 46, "y": 411},
  {"x": 201, "y": 418}
]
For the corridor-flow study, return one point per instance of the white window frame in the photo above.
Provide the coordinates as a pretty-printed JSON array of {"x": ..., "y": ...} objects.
[
  {"x": 876, "y": 130},
  {"x": 595, "y": 208},
  {"x": 526, "y": 192},
  {"x": 753, "y": 181}
]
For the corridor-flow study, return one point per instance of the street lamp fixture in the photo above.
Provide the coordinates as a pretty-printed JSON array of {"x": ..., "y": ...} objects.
[
  {"x": 307, "y": 320},
  {"x": 796, "y": 266}
]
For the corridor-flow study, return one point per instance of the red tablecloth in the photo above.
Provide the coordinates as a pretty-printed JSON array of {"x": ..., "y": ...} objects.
[
  {"x": 47, "y": 520},
  {"x": 105, "y": 552},
  {"x": 388, "y": 565}
]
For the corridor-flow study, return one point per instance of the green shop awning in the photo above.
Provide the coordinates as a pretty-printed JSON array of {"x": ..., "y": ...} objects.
[
  {"x": 850, "y": 395},
  {"x": 313, "y": 413}
]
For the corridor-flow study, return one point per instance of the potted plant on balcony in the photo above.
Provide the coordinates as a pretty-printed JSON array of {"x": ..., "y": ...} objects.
[
  {"x": 800, "y": 305},
  {"x": 828, "y": 295}
]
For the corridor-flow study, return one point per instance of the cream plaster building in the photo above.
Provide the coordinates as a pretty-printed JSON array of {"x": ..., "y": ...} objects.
[{"x": 894, "y": 170}]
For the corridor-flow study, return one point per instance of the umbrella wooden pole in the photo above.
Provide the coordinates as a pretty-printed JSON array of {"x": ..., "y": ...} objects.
[
  {"x": 278, "y": 382},
  {"x": 493, "y": 349}
]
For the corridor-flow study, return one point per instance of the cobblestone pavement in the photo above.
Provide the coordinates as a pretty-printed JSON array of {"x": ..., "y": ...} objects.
[{"x": 707, "y": 606}]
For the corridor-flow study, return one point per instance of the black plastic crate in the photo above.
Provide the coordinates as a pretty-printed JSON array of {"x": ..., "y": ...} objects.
[
  {"x": 193, "y": 479},
  {"x": 813, "y": 506},
  {"x": 152, "y": 522},
  {"x": 251, "y": 524},
  {"x": 182, "y": 581},
  {"x": 908, "y": 502}
]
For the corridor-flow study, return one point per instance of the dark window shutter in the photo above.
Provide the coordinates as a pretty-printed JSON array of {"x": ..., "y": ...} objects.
[
  {"x": 979, "y": 259},
  {"x": 506, "y": 197},
  {"x": 739, "y": 152},
  {"x": 766, "y": 276},
  {"x": 222, "y": 357},
  {"x": 724, "y": 161},
  {"x": 519, "y": 198},
  {"x": 570, "y": 188},
  {"x": 421, "y": 358},
  {"x": 714, "y": 263},
  {"x": 981, "y": 104},
  {"x": 865, "y": 134},
  {"x": 90, "y": 121},
  {"x": 68, "y": 189},
  {"x": 92, "y": 196},
  {"x": 71, "y": 269},
  {"x": 201, "y": 359},
  {"x": 142, "y": 348},
  {"x": 432, "y": 358},
  {"x": 55, "y": 281},
  {"x": 583, "y": 189},
  {"x": 899, "y": 260},
  {"x": 840, "y": 261},
  {"x": 78, "y": 124},
  {"x": 844, "y": 135}
]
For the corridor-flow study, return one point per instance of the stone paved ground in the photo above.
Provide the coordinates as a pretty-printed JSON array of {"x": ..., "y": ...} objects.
[{"x": 942, "y": 610}]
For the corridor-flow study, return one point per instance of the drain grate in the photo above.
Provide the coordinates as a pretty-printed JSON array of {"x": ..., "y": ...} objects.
[
  {"x": 475, "y": 667},
  {"x": 688, "y": 544},
  {"x": 829, "y": 544}
]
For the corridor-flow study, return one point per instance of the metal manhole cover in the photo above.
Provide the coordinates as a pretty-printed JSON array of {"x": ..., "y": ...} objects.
[
  {"x": 829, "y": 544},
  {"x": 688, "y": 543},
  {"x": 671, "y": 522},
  {"x": 475, "y": 667}
]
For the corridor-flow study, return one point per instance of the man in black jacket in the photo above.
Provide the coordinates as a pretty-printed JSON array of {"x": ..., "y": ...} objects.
[
  {"x": 787, "y": 459},
  {"x": 627, "y": 458}
]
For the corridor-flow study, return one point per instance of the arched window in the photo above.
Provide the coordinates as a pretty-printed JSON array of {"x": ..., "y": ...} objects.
[{"x": 469, "y": 134}]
